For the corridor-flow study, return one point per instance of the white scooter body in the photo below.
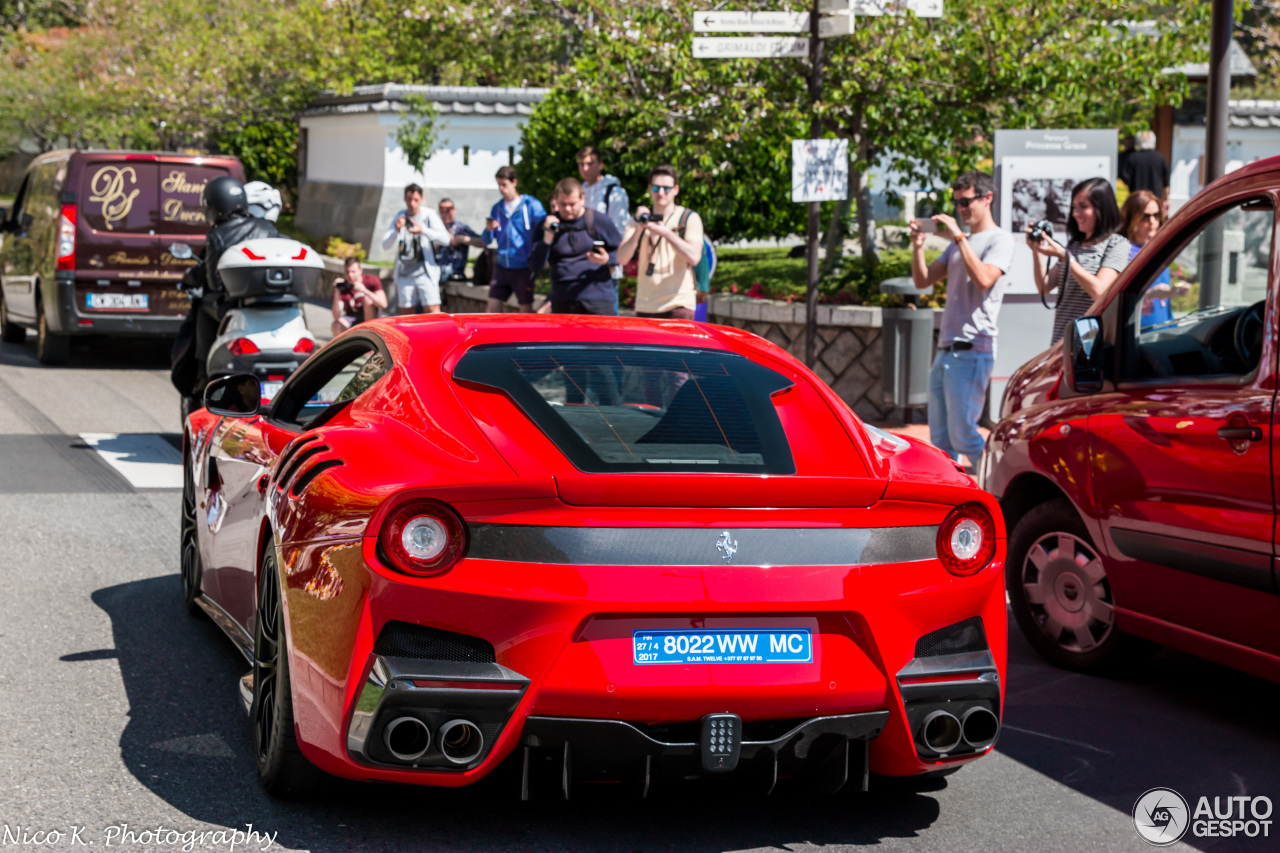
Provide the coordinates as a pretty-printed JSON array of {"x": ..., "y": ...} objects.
[{"x": 264, "y": 332}]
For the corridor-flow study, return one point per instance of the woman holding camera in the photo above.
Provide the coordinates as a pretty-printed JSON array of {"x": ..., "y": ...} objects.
[{"x": 1090, "y": 262}]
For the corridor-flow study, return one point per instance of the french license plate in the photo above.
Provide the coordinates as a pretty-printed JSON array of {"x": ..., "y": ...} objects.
[
  {"x": 767, "y": 645},
  {"x": 269, "y": 390},
  {"x": 117, "y": 301}
]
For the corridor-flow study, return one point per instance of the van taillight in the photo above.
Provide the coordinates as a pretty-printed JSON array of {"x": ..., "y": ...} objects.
[{"x": 67, "y": 238}]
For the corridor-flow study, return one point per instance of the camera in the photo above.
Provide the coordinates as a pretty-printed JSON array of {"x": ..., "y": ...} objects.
[
  {"x": 554, "y": 227},
  {"x": 1043, "y": 228},
  {"x": 651, "y": 216}
]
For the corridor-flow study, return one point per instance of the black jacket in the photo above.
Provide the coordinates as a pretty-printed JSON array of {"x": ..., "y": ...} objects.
[
  {"x": 237, "y": 229},
  {"x": 573, "y": 276}
]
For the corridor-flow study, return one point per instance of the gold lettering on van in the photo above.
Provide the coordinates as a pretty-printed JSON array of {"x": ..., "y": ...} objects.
[
  {"x": 173, "y": 210},
  {"x": 121, "y": 258},
  {"x": 177, "y": 183},
  {"x": 169, "y": 260},
  {"x": 108, "y": 186}
]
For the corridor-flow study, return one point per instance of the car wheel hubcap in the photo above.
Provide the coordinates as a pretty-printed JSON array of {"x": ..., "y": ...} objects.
[
  {"x": 1067, "y": 592},
  {"x": 266, "y": 660}
]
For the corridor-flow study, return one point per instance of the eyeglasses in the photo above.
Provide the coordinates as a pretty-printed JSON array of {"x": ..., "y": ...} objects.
[
  {"x": 963, "y": 203},
  {"x": 1154, "y": 217},
  {"x": 661, "y": 189}
]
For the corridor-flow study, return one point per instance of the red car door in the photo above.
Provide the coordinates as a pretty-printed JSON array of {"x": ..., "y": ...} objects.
[{"x": 1180, "y": 453}]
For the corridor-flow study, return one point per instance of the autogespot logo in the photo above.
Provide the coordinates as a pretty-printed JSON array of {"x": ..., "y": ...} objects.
[{"x": 1160, "y": 816}]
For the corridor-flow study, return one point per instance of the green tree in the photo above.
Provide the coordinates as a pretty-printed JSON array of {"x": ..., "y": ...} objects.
[{"x": 419, "y": 130}]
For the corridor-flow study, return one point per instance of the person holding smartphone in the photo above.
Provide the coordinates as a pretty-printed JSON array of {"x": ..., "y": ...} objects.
[
  {"x": 579, "y": 246},
  {"x": 975, "y": 267}
]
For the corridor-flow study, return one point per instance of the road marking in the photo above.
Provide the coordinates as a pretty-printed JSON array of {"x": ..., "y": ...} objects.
[{"x": 146, "y": 460}]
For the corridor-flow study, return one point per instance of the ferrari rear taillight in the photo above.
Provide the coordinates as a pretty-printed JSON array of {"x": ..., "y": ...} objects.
[
  {"x": 305, "y": 346},
  {"x": 67, "y": 238},
  {"x": 423, "y": 538},
  {"x": 243, "y": 346},
  {"x": 967, "y": 539}
]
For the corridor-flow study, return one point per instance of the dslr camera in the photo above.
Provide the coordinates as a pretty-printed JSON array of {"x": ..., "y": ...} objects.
[
  {"x": 651, "y": 216},
  {"x": 554, "y": 227},
  {"x": 1042, "y": 229}
]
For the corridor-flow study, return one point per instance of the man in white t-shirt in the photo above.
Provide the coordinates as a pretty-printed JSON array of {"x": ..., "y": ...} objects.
[
  {"x": 413, "y": 233},
  {"x": 975, "y": 266}
]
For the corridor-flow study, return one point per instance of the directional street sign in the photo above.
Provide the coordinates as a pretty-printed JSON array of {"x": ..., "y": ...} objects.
[
  {"x": 751, "y": 22},
  {"x": 829, "y": 7},
  {"x": 834, "y": 26},
  {"x": 922, "y": 8},
  {"x": 750, "y": 47}
]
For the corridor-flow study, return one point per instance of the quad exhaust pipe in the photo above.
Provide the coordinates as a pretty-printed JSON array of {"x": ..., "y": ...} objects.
[
  {"x": 407, "y": 738},
  {"x": 942, "y": 732},
  {"x": 979, "y": 727},
  {"x": 460, "y": 741}
]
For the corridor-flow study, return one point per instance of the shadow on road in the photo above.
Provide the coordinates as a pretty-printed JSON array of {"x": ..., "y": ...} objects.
[
  {"x": 188, "y": 741},
  {"x": 1176, "y": 722},
  {"x": 97, "y": 353}
]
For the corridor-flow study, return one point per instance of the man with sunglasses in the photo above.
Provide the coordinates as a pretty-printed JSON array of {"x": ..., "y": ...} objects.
[
  {"x": 975, "y": 267},
  {"x": 667, "y": 243}
]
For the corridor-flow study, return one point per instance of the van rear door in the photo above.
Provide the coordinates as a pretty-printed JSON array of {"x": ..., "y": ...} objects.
[
  {"x": 117, "y": 250},
  {"x": 183, "y": 227}
]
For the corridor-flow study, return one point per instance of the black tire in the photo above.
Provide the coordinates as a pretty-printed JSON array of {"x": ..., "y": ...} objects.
[
  {"x": 51, "y": 348},
  {"x": 10, "y": 333},
  {"x": 1060, "y": 594},
  {"x": 282, "y": 769},
  {"x": 191, "y": 570}
]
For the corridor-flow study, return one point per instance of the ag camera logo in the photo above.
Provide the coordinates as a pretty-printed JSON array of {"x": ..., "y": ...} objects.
[{"x": 1160, "y": 816}]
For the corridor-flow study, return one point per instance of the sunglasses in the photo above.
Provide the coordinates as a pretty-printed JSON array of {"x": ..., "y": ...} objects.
[
  {"x": 1154, "y": 217},
  {"x": 659, "y": 189},
  {"x": 963, "y": 203}
]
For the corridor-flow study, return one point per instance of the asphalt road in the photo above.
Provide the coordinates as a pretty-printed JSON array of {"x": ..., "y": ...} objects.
[{"x": 116, "y": 707}]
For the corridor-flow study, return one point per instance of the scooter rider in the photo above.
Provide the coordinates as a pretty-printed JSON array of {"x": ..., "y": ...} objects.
[{"x": 226, "y": 207}]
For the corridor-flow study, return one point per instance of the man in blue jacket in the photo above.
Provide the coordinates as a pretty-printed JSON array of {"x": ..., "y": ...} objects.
[{"x": 512, "y": 223}]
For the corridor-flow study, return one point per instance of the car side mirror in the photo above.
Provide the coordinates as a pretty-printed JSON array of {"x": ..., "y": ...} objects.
[
  {"x": 1082, "y": 356},
  {"x": 238, "y": 396}
]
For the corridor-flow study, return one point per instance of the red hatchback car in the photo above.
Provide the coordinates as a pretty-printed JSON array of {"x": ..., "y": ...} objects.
[
  {"x": 1136, "y": 463},
  {"x": 614, "y": 550}
]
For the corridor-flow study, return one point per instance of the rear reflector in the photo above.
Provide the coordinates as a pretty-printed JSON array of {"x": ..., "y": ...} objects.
[
  {"x": 86, "y": 322},
  {"x": 251, "y": 256}
]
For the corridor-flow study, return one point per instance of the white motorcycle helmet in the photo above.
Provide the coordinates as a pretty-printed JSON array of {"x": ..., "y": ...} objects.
[{"x": 264, "y": 200}]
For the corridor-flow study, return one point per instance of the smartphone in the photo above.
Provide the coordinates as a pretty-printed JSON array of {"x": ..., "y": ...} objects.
[
  {"x": 928, "y": 226},
  {"x": 597, "y": 244}
]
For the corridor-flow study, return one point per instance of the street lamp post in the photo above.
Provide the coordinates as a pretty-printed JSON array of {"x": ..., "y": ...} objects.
[{"x": 1215, "y": 141}]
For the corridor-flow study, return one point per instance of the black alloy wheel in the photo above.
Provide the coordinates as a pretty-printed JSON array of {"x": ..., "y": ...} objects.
[
  {"x": 282, "y": 769},
  {"x": 1060, "y": 594},
  {"x": 192, "y": 571},
  {"x": 10, "y": 333}
]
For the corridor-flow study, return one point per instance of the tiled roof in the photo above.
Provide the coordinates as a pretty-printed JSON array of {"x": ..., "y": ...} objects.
[{"x": 450, "y": 100}]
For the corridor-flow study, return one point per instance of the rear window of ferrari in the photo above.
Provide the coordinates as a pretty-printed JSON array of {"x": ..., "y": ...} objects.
[{"x": 618, "y": 408}]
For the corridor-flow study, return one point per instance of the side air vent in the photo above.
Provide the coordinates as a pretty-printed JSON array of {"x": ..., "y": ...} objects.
[
  {"x": 292, "y": 450},
  {"x": 296, "y": 465},
  {"x": 966, "y": 636},
  {"x": 403, "y": 640},
  {"x": 311, "y": 473}
]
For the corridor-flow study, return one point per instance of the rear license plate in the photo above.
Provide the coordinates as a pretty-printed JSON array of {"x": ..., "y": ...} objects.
[
  {"x": 768, "y": 645},
  {"x": 269, "y": 390},
  {"x": 117, "y": 301}
]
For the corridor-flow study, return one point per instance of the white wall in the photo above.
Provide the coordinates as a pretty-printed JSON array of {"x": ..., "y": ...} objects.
[
  {"x": 345, "y": 149},
  {"x": 489, "y": 138},
  {"x": 1244, "y": 145}
]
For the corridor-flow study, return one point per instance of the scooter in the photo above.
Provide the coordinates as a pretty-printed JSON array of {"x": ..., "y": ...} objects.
[{"x": 264, "y": 331}]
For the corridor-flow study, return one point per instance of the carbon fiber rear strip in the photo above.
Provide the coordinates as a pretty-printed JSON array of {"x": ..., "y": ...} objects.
[{"x": 702, "y": 546}]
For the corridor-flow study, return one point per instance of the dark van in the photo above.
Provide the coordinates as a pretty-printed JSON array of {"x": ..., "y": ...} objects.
[{"x": 97, "y": 241}]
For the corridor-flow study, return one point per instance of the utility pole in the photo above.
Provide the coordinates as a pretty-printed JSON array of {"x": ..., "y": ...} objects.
[
  {"x": 1215, "y": 144},
  {"x": 815, "y": 208}
]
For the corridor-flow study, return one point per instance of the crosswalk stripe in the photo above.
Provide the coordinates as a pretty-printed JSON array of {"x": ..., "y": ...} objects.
[{"x": 146, "y": 460}]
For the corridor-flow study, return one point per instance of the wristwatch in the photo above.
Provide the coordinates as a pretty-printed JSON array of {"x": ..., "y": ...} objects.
[{"x": 963, "y": 236}]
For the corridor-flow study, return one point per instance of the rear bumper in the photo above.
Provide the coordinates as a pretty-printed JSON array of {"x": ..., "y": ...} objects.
[
  {"x": 563, "y": 634},
  {"x": 68, "y": 319}
]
